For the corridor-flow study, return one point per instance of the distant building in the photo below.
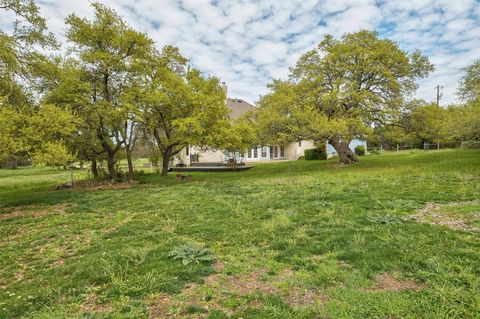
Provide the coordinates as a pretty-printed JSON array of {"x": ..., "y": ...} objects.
[{"x": 289, "y": 151}]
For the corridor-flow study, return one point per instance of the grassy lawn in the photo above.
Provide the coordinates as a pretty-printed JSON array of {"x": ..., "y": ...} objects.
[{"x": 395, "y": 236}]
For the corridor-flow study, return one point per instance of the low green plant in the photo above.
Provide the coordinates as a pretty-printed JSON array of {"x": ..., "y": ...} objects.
[
  {"x": 360, "y": 150},
  {"x": 194, "y": 309},
  {"x": 192, "y": 253},
  {"x": 318, "y": 153}
]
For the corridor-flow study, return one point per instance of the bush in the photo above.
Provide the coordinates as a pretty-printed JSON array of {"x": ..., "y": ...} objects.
[
  {"x": 360, "y": 150},
  {"x": 192, "y": 252},
  {"x": 318, "y": 153}
]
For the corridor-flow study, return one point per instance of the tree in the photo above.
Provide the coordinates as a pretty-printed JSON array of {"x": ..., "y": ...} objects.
[
  {"x": 108, "y": 50},
  {"x": 427, "y": 122},
  {"x": 237, "y": 138},
  {"x": 181, "y": 107},
  {"x": 343, "y": 87},
  {"x": 66, "y": 84},
  {"x": 469, "y": 89},
  {"x": 19, "y": 55},
  {"x": 40, "y": 135},
  {"x": 463, "y": 122},
  {"x": 28, "y": 128}
]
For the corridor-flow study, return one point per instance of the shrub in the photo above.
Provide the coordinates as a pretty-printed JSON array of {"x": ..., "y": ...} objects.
[
  {"x": 192, "y": 252},
  {"x": 318, "y": 153},
  {"x": 360, "y": 150}
]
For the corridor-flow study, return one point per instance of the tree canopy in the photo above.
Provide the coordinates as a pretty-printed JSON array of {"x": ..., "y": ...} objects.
[
  {"x": 343, "y": 87},
  {"x": 181, "y": 107},
  {"x": 108, "y": 53},
  {"x": 29, "y": 128},
  {"x": 469, "y": 89}
]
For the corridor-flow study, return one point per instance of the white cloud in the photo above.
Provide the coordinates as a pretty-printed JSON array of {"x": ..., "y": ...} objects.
[{"x": 247, "y": 43}]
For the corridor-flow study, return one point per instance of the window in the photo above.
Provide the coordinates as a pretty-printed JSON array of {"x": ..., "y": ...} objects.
[
  {"x": 187, "y": 151},
  {"x": 282, "y": 151},
  {"x": 255, "y": 152},
  {"x": 264, "y": 151},
  {"x": 249, "y": 153},
  {"x": 300, "y": 143},
  {"x": 275, "y": 151}
]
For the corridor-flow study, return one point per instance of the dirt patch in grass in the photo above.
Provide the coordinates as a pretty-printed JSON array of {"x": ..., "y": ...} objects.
[
  {"x": 33, "y": 211},
  {"x": 58, "y": 263},
  {"x": 161, "y": 306},
  {"x": 90, "y": 304},
  {"x": 442, "y": 214},
  {"x": 218, "y": 290},
  {"x": 389, "y": 282},
  {"x": 99, "y": 185}
]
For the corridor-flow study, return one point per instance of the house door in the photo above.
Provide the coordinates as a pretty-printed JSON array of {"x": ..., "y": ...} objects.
[{"x": 265, "y": 152}]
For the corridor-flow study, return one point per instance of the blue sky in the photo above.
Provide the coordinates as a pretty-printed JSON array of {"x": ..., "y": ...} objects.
[{"x": 248, "y": 43}]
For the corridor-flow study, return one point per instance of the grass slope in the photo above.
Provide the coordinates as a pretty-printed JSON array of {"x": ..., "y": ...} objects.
[{"x": 294, "y": 240}]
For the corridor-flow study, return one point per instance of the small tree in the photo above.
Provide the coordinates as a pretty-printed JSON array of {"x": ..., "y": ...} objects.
[
  {"x": 109, "y": 51},
  {"x": 237, "y": 138},
  {"x": 181, "y": 107}
]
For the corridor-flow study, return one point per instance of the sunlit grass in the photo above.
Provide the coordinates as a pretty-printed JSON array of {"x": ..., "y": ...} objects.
[{"x": 104, "y": 254}]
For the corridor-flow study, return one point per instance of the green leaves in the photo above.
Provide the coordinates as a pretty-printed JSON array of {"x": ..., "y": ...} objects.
[
  {"x": 180, "y": 105},
  {"x": 340, "y": 89},
  {"x": 470, "y": 83},
  {"x": 192, "y": 253}
]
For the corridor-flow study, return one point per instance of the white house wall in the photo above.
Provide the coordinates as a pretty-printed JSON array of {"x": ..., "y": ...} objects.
[
  {"x": 292, "y": 151},
  {"x": 205, "y": 156},
  {"x": 295, "y": 150}
]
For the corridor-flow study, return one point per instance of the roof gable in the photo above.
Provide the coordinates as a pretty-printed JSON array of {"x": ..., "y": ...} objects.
[{"x": 238, "y": 107}]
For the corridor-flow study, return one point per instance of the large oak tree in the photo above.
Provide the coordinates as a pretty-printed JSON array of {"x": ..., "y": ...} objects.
[{"x": 338, "y": 90}]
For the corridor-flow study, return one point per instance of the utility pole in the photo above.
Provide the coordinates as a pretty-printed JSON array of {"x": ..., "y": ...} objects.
[{"x": 439, "y": 94}]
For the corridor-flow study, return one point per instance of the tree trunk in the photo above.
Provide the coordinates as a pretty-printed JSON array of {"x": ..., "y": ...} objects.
[
  {"x": 130, "y": 162},
  {"x": 165, "y": 161},
  {"x": 344, "y": 152},
  {"x": 111, "y": 166},
  {"x": 15, "y": 163},
  {"x": 95, "y": 168}
]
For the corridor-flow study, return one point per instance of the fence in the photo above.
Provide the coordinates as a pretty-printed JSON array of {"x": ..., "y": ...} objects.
[
  {"x": 426, "y": 146},
  {"x": 470, "y": 144}
]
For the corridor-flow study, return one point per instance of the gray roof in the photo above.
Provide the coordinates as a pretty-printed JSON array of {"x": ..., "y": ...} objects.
[{"x": 238, "y": 107}]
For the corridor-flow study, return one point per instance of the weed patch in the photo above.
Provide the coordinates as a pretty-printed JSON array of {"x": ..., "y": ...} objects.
[{"x": 451, "y": 215}]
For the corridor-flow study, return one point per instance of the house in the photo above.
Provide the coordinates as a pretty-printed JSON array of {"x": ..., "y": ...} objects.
[{"x": 289, "y": 151}]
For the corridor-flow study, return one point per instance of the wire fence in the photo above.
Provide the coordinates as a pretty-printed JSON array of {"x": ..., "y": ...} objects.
[{"x": 426, "y": 146}]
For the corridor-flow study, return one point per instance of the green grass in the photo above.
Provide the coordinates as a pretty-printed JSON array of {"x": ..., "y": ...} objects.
[{"x": 104, "y": 254}]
